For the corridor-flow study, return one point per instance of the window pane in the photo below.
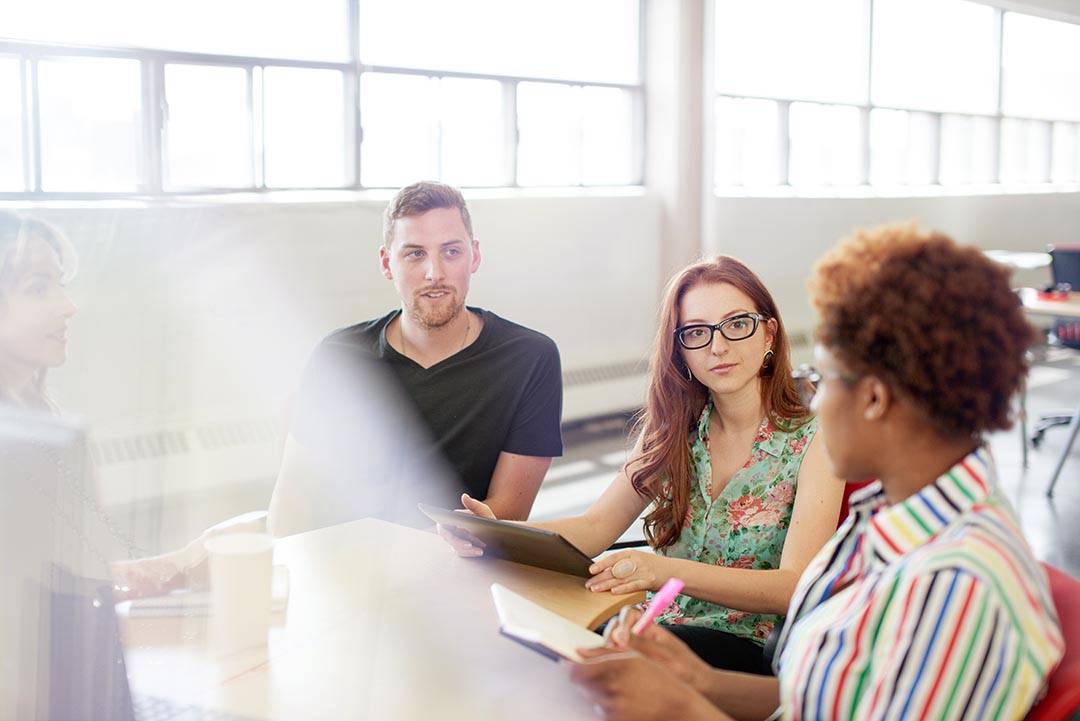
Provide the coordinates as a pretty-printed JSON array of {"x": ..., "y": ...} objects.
[
  {"x": 968, "y": 147},
  {"x": 825, "y": 142},
  {"x": 1065, "y": 163},
  {"x": 89, "y": 124},
  {"x": 1025, "y": 151},
  {"x": 1041, "y": 68},
  {"x": 314, "y": 29},
  {"x": 903, "y": 147},
  {"x": 566, "y": 39},
  {"x": 748, "y": 142},
  {"x": 473, "y": 144},
  {"x": 398, "y": 119},
  {"x": 775, "y": 48},
  {"x": 304, "y": 128},
  {"x": 935, "y": 55},
  {"x": 549, "y": 139},
  {"x": 207, "y": 130},
  {"x": 607, "y": 137},
  {"x": 11, "y": 154}
]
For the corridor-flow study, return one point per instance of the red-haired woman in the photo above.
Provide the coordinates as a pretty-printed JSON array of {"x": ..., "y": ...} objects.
[{"x": 742, "y": 496}]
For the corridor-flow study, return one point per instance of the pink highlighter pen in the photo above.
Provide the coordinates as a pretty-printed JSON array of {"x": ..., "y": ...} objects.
[{"x": 659, "y": 603}]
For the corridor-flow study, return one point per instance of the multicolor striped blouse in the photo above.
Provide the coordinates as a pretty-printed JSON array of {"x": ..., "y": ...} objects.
[{"x": 932, "y": 608}]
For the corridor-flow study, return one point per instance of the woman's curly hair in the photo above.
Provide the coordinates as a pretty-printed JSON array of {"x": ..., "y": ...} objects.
[{"x": 935, "y": 320}]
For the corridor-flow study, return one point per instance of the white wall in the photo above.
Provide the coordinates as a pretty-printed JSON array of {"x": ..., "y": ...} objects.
[
  {"x": 781, "y": 237},
  {"x": 195, "y": 322},
  {"x": 185, "y": 310},
  {"x": 195, "y": 315}
]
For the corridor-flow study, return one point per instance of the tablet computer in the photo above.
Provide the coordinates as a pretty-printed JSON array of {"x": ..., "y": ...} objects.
[{"x": 515, "y": 542}]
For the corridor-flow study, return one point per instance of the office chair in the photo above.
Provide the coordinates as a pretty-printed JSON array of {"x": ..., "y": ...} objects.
[
  {"x": 1062, "y": 700},
  {"x": 1065, "y": 267}
]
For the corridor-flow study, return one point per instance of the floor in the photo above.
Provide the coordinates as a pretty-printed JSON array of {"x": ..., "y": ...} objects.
[{"x": 596, "y": 450}]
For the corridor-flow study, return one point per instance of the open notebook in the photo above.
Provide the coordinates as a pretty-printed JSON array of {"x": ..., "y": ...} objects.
[{"x": 540, "y": 629}]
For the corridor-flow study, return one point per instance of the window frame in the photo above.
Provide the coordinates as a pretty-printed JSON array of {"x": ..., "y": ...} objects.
[
  {"x": 150, "y": 180},
  {"x": 865, "y": 109}
]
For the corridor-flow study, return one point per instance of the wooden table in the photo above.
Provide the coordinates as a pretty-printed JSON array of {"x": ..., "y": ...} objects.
[
  {"x": 1069, "y": 308},
  {"x": 383, "y": 622}
]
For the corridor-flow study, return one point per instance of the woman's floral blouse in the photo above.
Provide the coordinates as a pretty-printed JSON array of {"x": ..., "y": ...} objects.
[{"x": 745, "y": 526}]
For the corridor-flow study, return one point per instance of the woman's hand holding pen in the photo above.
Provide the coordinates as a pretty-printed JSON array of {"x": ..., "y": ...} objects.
[
  {"x": 655, "y": 643},
  {"x": 627, "y": 572},
  {"x": 627, "y": 687},
  {"x": 464, "y": 543},
  {"x": 643, "y": 675}
]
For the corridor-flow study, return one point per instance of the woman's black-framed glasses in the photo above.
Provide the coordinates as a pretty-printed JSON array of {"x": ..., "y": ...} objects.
[
  {"x": 737, "y": 327},
  {"x": 807, "y": 379}
]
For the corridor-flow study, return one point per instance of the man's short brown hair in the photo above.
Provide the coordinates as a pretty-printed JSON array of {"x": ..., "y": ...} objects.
[{"x": 419, "y": 198}]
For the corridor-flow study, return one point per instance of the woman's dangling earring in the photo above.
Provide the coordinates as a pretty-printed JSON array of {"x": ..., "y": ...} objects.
[
  {"x": 688, "y": 376},
  {"x": 767, "y": 363}
]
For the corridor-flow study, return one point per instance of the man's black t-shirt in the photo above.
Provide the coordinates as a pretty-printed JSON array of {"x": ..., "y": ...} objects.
[{"x": 501, "y": 393}]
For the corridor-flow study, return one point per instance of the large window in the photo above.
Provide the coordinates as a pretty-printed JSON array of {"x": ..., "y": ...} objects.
[
  {"x": 227, "y": 95},
  {"x": 553, "y": 97},
  {"x": 893, "y": 93}
]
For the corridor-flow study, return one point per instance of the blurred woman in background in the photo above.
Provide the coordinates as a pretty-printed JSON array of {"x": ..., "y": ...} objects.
[{"x": 36, "y": 261}]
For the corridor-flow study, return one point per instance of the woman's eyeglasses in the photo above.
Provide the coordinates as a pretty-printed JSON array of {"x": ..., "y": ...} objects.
[
  {"x": 737, "y": 327},
  {"x": 807, "y": 379}
]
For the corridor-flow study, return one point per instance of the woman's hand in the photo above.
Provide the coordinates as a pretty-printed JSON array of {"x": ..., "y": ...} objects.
[
  {"x": 187, "y": 567},
  {"x": 657, "y": 644},
  {"x": 476, "y": 508},
  {"x": 157, "y": 576},
  {"x": 627, "y": 572},
  {"x": 626, "y": 686},
  {"x": 464, "y": 543}
]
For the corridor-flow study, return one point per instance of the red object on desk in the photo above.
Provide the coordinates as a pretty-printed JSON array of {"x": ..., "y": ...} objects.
[{"x": 1052, "y": 295}]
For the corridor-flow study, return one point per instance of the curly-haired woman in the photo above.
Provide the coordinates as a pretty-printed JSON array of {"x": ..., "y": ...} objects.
[
  {"x": 927, "y": 603},
  {"x": 741, "y": 493}
]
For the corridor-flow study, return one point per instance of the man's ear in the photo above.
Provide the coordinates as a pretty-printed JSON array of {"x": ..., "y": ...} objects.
[
  {"x": 878, "y": 398},
  {"x": 384, "y": 262},
  {"x": 475, "y": 256}
]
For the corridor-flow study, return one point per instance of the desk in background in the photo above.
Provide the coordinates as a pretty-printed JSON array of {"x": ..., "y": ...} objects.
[
  {"x": 384, "y": 622},
  {"x": 1069, "y": 308}
]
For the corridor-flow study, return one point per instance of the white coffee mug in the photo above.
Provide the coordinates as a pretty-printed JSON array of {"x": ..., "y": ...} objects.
[{"x": 240, "y": 588}]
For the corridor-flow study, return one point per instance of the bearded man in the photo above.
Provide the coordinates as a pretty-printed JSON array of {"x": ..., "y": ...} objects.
[{"x": 486, "y": 392}]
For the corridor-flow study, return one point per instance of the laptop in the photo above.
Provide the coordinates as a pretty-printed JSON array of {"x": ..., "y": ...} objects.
[{"x": 60, "y": 652}]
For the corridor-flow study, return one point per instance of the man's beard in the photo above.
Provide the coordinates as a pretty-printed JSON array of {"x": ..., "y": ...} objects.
[{"x": 432, "y": 318}]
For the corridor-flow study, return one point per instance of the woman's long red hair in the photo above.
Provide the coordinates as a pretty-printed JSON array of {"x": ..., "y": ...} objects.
[{"x": 674, "y": 402}]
